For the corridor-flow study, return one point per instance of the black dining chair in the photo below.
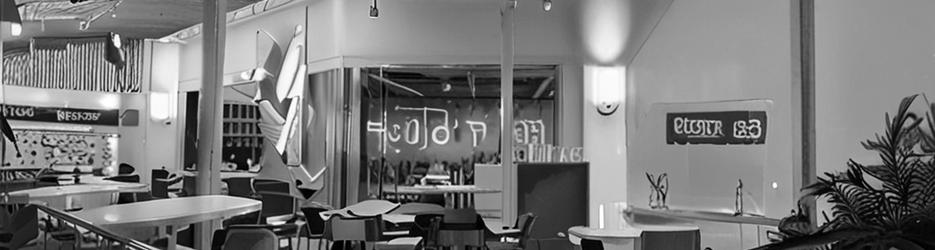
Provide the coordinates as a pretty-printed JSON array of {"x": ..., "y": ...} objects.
[
  {"x": 314, "y": 226},
  {"x": 524, "y": 223},
  {"x": 355, "y": 230},
  {"x": 278, "y": 207},
  {"x": 461, "y": 228},
  {"x": 587, "y": 244},
  {"x": 126, "y": 173},
  {"x": 240, "y": 187},
  {"x": 23, "y": 228},
  {"x": 160, "y": 180}
]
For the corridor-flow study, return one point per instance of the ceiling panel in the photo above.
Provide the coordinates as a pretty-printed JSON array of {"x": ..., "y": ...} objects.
[{"x": 131, "y": 19}]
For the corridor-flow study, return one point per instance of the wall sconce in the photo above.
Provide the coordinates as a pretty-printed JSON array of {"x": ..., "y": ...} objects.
[
  {"x": 161, "y": 107},
  {"x": 606, "y": 84}
]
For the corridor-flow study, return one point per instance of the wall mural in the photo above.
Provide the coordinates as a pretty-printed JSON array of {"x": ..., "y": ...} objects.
[
  {"x": 42, "y": 149},
  {"x": 279, "y": 96}
]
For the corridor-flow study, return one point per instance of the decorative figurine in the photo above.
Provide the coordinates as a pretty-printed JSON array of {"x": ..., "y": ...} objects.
[
  {"x": 738, "y": 198},
  {"x": 660, "y": 189}
]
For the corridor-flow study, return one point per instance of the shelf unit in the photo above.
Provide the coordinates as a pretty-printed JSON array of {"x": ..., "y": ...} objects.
[{"x": 241, "y": 135}]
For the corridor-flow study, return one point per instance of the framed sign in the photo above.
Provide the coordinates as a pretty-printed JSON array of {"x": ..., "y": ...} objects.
[
  {"x": 719, "y": 128},
  {"x": 108, "y": 117}
]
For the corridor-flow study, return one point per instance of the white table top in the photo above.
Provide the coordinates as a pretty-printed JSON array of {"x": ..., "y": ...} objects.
[
  {"x": 437, "y": 189},
  {"x": 175, "y": 211},
  {"x": 55, "y": 191}
]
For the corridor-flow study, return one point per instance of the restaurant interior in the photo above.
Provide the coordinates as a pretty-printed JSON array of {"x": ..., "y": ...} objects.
[{"x": 380, "y": 124}]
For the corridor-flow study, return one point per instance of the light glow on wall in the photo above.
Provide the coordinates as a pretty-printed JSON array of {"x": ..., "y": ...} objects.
[
  {"x": 110, "y": 101},
  {"x": 604, "y": 29},
  {"x": 607, "y": 86},
  {"x": 160, "y": 106},
  {"x": 16, "y": 29}
]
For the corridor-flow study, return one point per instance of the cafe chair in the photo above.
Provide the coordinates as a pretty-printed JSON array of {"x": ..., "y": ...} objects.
[
  {"x": 345, "y": 230},
  {"x": 250, "y": 238},
  {"x": 126, "y": 173},
  {"x": 23, "y": 228},
  {"x": 461, "y": 228},
  {"x": 314, "y": 226},
  {"x": 160, "y": 180},
  {"x": 524, "y": 223},
  {"x": 587, "y": 244},
  {"x": 240, "y": 187},
  {"x": 671, "y": 239}
]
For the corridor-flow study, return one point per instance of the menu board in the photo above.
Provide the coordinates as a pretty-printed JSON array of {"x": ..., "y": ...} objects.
[{"x": 107, "y": 117}]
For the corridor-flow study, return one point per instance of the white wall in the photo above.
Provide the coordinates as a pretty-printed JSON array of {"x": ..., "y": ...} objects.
[
  {"x": 712, "y": 51},
  {"x": 163, "y": 143},
  {"x": 240, "y": 52},
  {"x": 610, "y": 33},
  {"x": 869, "y": 55}
]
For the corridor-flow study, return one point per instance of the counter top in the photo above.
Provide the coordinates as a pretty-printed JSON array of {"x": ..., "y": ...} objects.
[{"x": 703, "y": 216}]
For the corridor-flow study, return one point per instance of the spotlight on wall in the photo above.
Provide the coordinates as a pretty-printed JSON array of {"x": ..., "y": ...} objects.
[
  {"x": 374, "y": 12},
  {"x": 607, "y": 85},
  {"x": 547, "y": 5}
]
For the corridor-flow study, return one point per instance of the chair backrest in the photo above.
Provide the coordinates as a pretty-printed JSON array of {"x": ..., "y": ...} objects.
[
  {"x": 188, "y": 185},
  {"x": 313, "y": 222},
  {"x": 354, "y": 229},
  {"x": 675, "y": 240},
  {"x": 461, "y": 228},
  {"x": 524, "y": 223},
  {"x": 125, "y": 169},
  {"x": 240, "y": 186},
  {"x": 426, "y": 226},
  {"x": 125, "y": 178},
  {"x": 587, "y": 244},
  {"x": 277, "y": 201},
  {"x": 250, "y": 239},
  {"x": 160, "y": 174}
]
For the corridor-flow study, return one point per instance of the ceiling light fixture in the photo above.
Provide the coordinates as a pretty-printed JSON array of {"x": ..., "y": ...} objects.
[
  {"x": 547, "y": 5},
  {"x": 374, "y": 12}
]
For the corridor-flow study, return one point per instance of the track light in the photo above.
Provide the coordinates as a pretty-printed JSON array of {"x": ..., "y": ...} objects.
[
  {"x": 374, "y": 12},
  {"x": 547, "y": 5}
]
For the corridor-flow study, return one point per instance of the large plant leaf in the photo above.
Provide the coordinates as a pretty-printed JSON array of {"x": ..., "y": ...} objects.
[{"x": 817, "y": 240}]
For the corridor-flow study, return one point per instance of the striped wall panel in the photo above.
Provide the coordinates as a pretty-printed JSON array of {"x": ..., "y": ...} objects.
[{"x": 74, "y": 64}]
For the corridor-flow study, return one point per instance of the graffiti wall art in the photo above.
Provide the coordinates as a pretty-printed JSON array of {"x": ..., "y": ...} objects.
[{"x": 42, "y": 149}]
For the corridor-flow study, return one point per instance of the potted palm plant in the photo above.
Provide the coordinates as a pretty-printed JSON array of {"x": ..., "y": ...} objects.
[{"x": 890, "y": 205}]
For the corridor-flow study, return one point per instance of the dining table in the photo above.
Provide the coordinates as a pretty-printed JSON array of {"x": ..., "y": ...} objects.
[
  {"x": 89, "y": 192},
  {"x": 169, "y": 214},
  {"x": 456, "y": 196}
]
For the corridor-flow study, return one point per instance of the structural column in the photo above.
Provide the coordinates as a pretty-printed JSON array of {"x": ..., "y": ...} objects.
[
  {"x": 214, "y": 26},
  {"x": 506, "y": 110}
]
